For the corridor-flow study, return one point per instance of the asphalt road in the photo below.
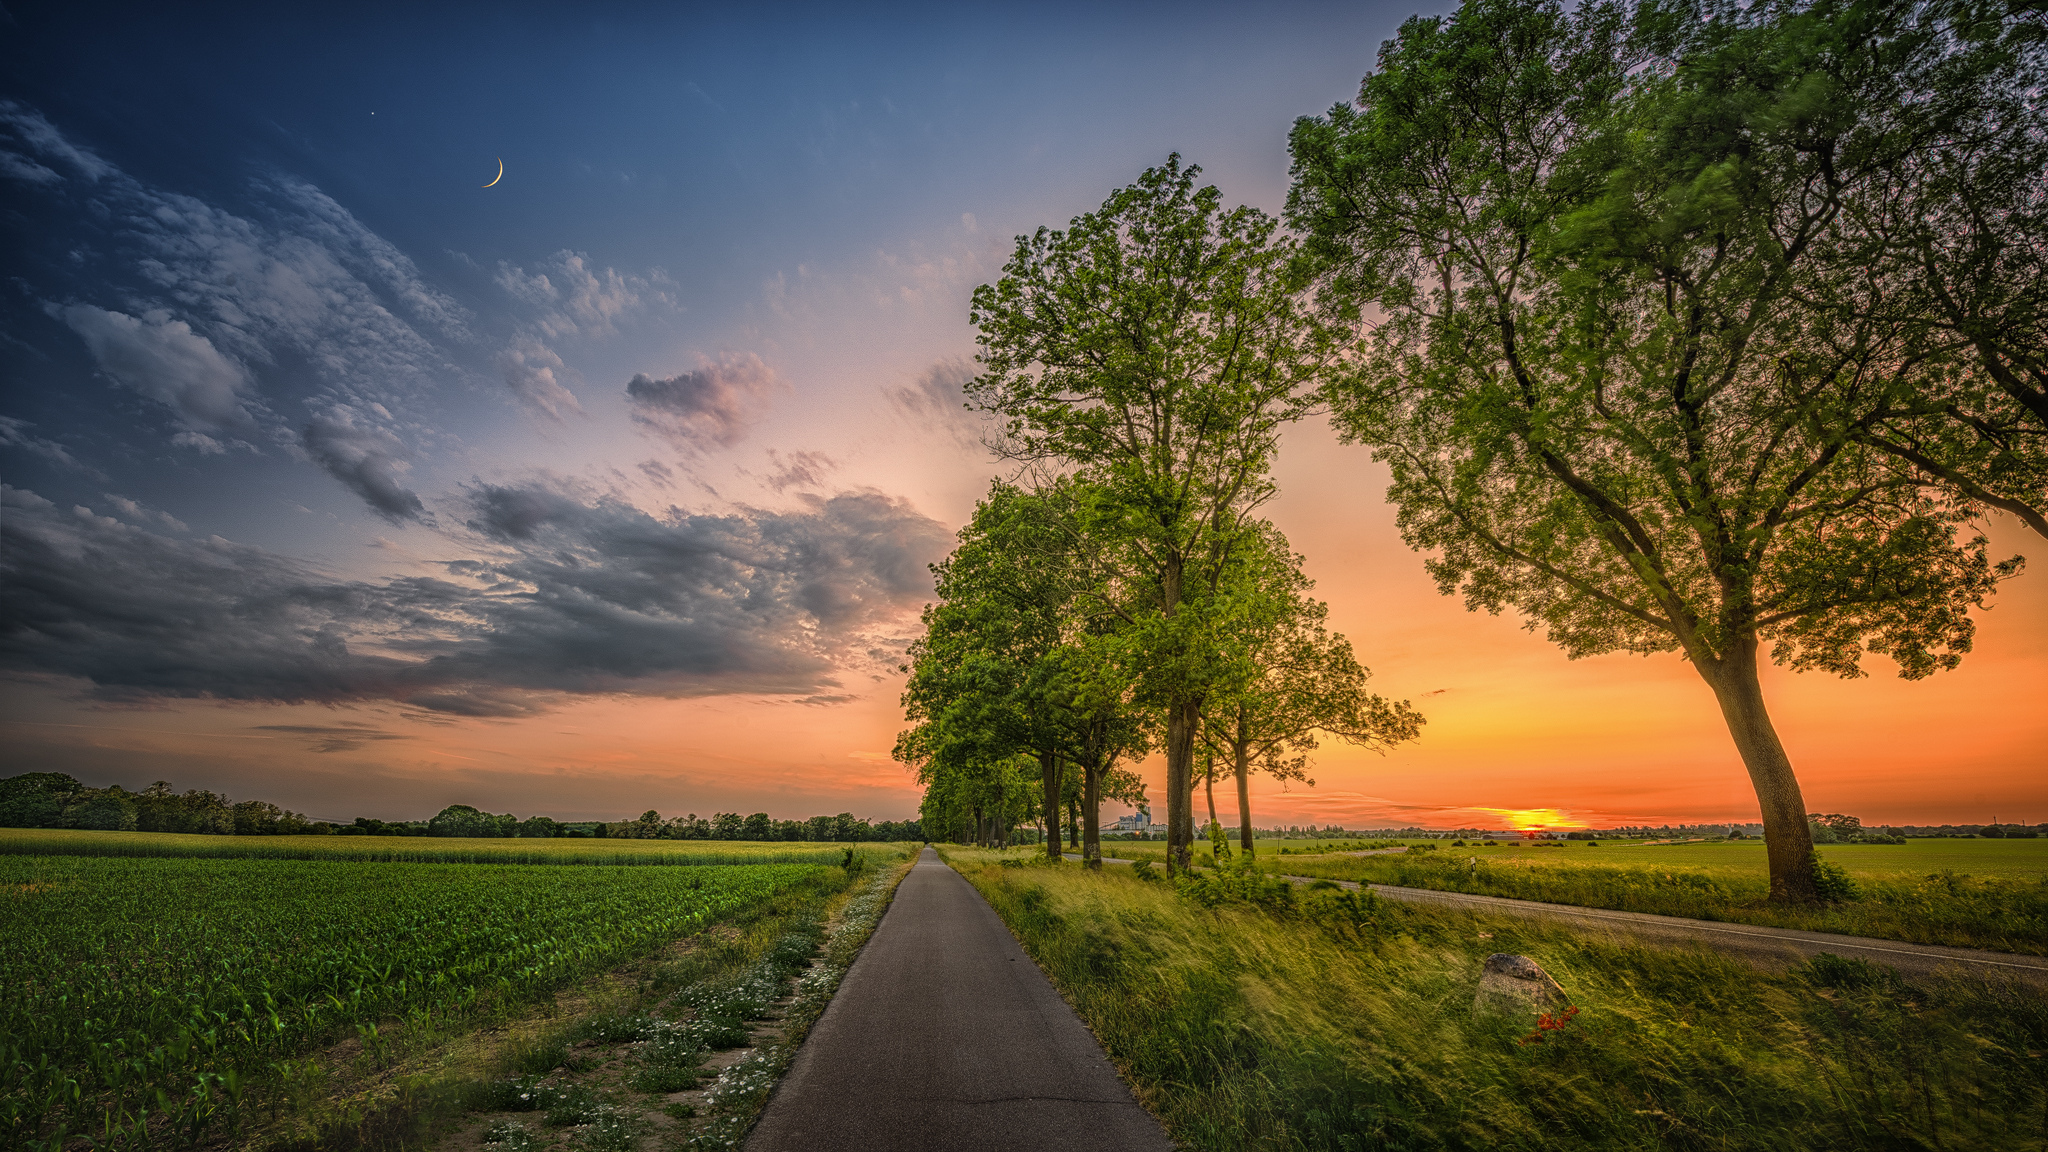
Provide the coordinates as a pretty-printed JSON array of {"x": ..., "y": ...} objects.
[
  {"x": 945, "y": 1036},
  {"x": 1759, "y": 945}
]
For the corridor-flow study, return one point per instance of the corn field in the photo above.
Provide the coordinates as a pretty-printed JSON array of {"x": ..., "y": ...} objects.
[{"x": 141, "y": 999}]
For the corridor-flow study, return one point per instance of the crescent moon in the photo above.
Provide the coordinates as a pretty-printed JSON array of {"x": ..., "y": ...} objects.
[{"x": 501, "y": 172}]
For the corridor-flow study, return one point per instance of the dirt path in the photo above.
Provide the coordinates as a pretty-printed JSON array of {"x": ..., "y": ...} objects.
[
  {"x": 1755, "y": 943},
  {"x": 946, "y": 1036}
]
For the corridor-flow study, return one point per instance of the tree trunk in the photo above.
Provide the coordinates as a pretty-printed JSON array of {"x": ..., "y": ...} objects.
[
  {"x": 1074, "y": 824},
  {"x": 1788, "y": 842},
  {"x": 1049, "y": 779},
  {"x": 1209, "y": 786},
  {"x": 1244, "y": 798},
  {"x": 1181, "y": 719},
  {"x": 1091, "y": 814}
]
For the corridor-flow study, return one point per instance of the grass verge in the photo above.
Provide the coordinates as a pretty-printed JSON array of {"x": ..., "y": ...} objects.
[{"x": 1252, "y": 1016}]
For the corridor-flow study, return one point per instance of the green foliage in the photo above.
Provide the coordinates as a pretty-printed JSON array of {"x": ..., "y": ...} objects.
[
  {"x": 1617, "y": 379},
  {"x": 1833, "y": 882},
  {"x": 204, "y": 974},
  {"x": 426, "y": 850}
]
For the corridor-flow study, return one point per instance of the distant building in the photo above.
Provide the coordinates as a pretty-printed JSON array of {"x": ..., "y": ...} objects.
[{"x": 1139, "y": 821}]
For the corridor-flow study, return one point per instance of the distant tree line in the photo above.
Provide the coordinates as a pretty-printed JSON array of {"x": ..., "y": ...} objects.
[{"x": 55, "y": 800}]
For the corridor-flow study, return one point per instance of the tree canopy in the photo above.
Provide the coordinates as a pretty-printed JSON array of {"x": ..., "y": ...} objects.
[{"x": 1608, "y": 351}]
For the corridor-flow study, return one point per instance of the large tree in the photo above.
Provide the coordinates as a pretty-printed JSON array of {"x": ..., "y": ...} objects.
[
  {"x": 1155, "y": 347},
  {"x": 1591, "y": 360},
  {"x": 1297, "y": 680}
]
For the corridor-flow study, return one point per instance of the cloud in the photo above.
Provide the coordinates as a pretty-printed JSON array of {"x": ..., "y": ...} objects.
[
  {"x": 15, "y": 434},
  {"x": 224, "y": 316},
  {"x": 799, "y": 470},
  {"x": 164, "y": 360},
  {"x": 140, "y": 513},
  {"x": 567, "y": 595},
  {"x": 710, "y": 404},
  {"x": 31, "y": 132},
  {"x": 345, "y": 738},
  {"x": 577, "y": 300},
  {"x": 937, "y": 400},
  {"x": 533, "y": 372},
  {"x": 364, "y": 457}
]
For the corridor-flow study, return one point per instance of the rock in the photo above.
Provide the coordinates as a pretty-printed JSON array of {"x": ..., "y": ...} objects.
[{"x": 1509, "y": 983}]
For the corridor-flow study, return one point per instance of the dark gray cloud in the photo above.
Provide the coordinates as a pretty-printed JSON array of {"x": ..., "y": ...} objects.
[
  {"x": 569, "y": 595},
  {"x": 334, "y": 738},
  {"x": 366, "y": 458},
  {"x": 710, "y": 405}
]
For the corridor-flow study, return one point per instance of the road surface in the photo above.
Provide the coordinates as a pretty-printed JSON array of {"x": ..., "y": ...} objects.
[{"x": 946, "y": 1036}]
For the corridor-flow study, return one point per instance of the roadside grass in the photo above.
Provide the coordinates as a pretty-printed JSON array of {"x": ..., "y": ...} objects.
[
  {"x": 1999, "y": 903},
  {"x": 434, "y": 849},
  {"x": 1284, "y": 1026}
]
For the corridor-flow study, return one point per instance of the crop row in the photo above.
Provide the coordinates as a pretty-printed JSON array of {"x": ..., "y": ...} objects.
[
  {"x": 139, "y": 998},
  {"x": 424, "y": 850}
]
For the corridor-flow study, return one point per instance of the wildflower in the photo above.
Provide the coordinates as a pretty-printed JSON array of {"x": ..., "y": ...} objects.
[{"x": 1548, "y": 1023}]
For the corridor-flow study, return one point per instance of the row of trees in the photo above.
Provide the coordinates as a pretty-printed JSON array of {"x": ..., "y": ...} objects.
[
  {"x": 1705, "y": 329},
  {"x": 56, "y": 800},
  {"x": 1123, "y": 595}
]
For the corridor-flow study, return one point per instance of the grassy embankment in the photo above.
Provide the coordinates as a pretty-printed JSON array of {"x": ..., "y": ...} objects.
[
  {"x": 148, "y": 1002},
  {"x": 431, "y": 849},
  {"x": 1291, "y": 1024},
  {"x": 1965, "y": 893}
]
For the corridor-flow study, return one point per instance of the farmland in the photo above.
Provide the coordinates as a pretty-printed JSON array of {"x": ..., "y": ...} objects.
[
  {"x": 141, "y": 997},
  {"x": 429, "y": 849},
  {"x": 1965, "y": 893},
  {"x": 1289, "y": 1022}
]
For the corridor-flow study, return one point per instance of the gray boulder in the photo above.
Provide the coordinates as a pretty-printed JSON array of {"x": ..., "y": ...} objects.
[{"x": 1509, "y": 983}]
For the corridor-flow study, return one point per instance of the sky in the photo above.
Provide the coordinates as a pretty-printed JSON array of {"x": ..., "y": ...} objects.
[{"x": 336, "y": 478}]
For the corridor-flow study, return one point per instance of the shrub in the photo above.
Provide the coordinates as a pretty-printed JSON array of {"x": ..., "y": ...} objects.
[{"x": 1834, "y": 882}]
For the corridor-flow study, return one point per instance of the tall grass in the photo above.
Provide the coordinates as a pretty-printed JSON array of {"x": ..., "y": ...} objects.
[
  {"x": 1259, "y": 1028},
  {"x": 2008, "y": 914},
  {"x": 431, "y": 849}
]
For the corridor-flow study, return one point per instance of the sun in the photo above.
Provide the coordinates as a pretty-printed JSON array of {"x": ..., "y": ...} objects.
[{"x": 1536, "y": 819}]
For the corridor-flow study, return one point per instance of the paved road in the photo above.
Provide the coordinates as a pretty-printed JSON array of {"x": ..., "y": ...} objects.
[
  {"x": 1770, "y": 946},
  {"x": 946, "y": 1036}
]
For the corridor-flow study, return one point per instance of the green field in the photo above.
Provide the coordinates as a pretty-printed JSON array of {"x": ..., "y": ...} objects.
[
  {"x": 141, "y": 998},
  {"x": 1965, "y": 893},
  {"x": 432, "y": 849},
  {"x": 1284, "y": 1020}
]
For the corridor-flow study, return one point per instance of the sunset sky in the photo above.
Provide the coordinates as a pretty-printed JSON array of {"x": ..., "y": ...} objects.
[{"x": 336, "y": 479}]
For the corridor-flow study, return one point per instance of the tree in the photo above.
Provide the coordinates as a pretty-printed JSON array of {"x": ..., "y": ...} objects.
[
  {"x": 1156, "y": 346},
  {"x": 1299, "y": 679},
  {"x": 1592, "y": 367},
  {"x": 1951, "y": 239},
  {"x": 1011, "y": 661}
]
